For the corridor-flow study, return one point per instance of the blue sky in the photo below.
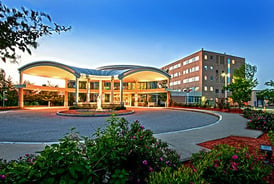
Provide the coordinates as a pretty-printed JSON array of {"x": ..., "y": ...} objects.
[{"x": 155, "y": 33}]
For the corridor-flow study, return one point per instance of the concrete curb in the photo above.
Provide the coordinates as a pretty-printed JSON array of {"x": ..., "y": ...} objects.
[{"x": 60, "y": 113}]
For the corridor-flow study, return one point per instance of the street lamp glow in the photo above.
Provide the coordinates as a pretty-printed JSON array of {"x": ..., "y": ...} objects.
[{"x": 225, "y": 75}]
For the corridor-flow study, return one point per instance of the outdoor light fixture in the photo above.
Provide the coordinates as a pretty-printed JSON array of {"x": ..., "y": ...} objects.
[{"x": 268, "y": 151}]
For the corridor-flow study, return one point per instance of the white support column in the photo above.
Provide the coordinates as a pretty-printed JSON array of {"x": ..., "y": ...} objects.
[
  {"x": 77, "y": 90},
  {"x": 88, "y": 91},
  {"x": 121, "y": 93},
  {"x": 99, "y": 98},
  {"x": 21, "y": 92},
  {"x": 111, "y": 90}
]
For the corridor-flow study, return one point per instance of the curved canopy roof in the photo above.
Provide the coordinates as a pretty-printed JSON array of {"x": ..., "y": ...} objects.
[{"x": 58, "y": 70}]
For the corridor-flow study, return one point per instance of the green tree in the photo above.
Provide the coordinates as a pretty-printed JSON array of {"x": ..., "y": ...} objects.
[
  {"x": 20, "y": 29},
  {"x": 7, "y": 87},
  {"x": 267, "y": 94},
  {"x": 244, "y": 82}
]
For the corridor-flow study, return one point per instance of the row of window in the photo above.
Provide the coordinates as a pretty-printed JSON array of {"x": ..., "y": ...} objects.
[
  {"x": 175, "y": 74},
  {"x": 211, "y": 88},
  {"x": 175, "y": 66},
  {"x": 175, "y": 83},
  {"x": 126, "y": 85},
  {"x": 193, "y": 69},
  {"x": 192, "y": 79},
  {"x": 217, "y": 59},
  {"x": 191, "y": 60}
]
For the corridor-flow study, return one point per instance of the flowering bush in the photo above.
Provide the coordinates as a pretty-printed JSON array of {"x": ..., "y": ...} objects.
[
  {"x": 223, "y": 164},
  {"x": 121, "y": 153},
  {"x": 259, "y": 120},
  {"x": 132, "y": 148}
]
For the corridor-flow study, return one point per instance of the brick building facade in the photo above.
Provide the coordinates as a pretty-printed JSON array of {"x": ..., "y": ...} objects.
[{"x": 200, "y": 77}]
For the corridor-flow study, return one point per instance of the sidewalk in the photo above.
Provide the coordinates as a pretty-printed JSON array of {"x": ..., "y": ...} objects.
[{"x": 184, "y": 142}]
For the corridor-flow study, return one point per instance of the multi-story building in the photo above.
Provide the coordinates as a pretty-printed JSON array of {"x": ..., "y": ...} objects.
[{"x": 201, "y": 76}]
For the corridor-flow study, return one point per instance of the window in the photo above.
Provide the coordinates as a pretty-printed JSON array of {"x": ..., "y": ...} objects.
[
  {"x": 211, "y": 67},
  {"x": 211, "y": 88},
  {"x": 205, "y": 77},
  {"x": 176, "y": 74},
  {"x": 107, "y": 85},
  {"x": 205, "y": 88},
  {"x": 107, "y": 97},
  {"x": 211, "y": 78},
  {"x": 233, "y": 61},
  {"x": 211, "y": 57},
  {"x": 94, "y": 85},
  {"x": 191, "y": 60},
  {"x": 82, "y": 85},
  {"x": 216, "y": 90},
  {"x": 205, "y": 67},
  {"x": 205, "y": 57}
]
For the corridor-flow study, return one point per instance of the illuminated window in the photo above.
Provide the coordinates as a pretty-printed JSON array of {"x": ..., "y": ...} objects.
[
  {"x": 211, "y": 88},
  {"x": 211, "y": 67},
  {"x": 205, "y": 67},
  {"x": 205, "y": 57},
  {"x": 205, "y": 88},
  {"x": 205, "y": 77},
  {"x": 233, "y": 61}
]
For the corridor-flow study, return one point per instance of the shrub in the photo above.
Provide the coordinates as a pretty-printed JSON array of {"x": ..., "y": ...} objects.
[
  {"x": 119, "y": 108},
  {"x": 223, "y": 164},
  {"x": 259, "y": 120},
  {"x": 120, "y": 153},
  {"x": 131, "y": 148}
]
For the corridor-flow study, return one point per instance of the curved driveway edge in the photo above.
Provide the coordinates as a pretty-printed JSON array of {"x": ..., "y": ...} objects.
[
  {"x": 196, "y": 128},
  {"x": 185, "y": 142}
]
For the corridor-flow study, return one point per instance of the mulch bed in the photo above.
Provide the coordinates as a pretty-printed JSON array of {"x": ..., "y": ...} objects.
[{"x": 253, "y": 145}]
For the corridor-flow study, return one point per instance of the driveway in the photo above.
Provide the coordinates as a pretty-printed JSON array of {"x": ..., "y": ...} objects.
[{"x": 46, "y": 126}]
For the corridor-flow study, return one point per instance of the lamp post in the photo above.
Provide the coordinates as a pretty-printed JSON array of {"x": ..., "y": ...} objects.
[{"x": 225, "y": 75}]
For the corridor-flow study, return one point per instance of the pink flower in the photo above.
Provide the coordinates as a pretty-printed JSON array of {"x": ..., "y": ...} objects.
[
  {"x": 234, "y": 157},
  {"x": 134, "y": 137},
  {"x": 27, "y": 155},
  {"x": 145, "y": 162},
  {"x": 2, "y": 177},
  {"x": 194, "y": 170},
  {"x": 161, "y": 159},
  {"x": 216, "y": 165},
  {"x": 142, "y": 127},
  {"x": 150, "y": 169}
]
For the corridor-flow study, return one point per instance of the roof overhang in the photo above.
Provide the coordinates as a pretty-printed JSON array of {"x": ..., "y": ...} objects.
[
  {"x": 49, "y": 69},
  {"x": 145, "y": 74}
]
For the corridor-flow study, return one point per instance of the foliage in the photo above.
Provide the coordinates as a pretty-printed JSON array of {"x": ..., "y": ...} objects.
[
  {"x": 119, "y": 108},
  {"x": 243, "y": 84},
  {"x": 6, "y": 86},
  {"x": 267, "y": 94},
  {"x": 121, "y": 153},
  {"x": 271, "y": 137},
  {"x": 259, "y": 120},
  {"x": 132, "y": 148},
  {"x": 20, "y": 29},
  {"x": 223, "y": 164}
]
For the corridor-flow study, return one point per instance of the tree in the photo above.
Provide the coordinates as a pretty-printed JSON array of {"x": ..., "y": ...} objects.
[
  {"x": 267, "y": 94},
  {"x": 20, "y": 29},
  {"x": 243, "y": 83},
  {"x": 7, "y": 91}
]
